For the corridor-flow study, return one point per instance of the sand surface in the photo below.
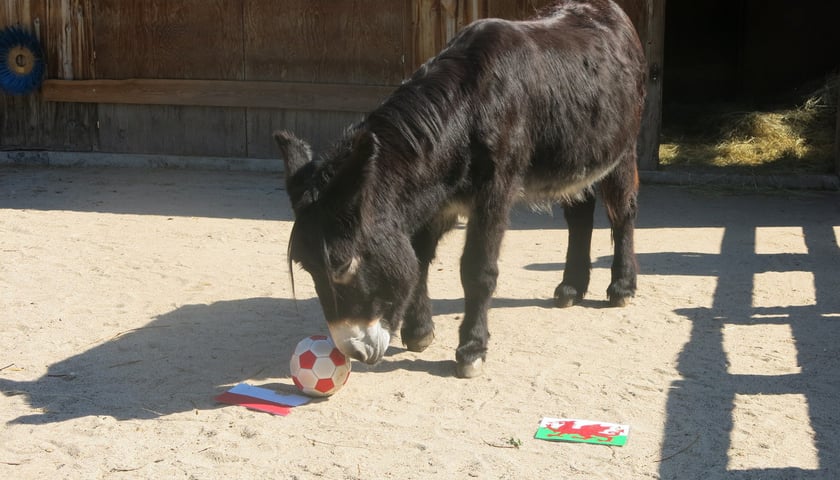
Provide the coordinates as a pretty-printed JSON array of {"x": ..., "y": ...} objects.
[{"x": 130, "y": 298}]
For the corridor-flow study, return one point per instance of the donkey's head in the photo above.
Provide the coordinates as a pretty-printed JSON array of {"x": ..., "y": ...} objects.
[{"x": 361, "y": 261}]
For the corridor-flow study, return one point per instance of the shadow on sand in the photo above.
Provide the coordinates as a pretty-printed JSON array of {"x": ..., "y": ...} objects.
[{"x": 181, "y": 359}]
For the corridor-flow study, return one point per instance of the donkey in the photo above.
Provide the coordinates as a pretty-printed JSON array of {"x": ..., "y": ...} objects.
[{"x": 546, "y": 109}]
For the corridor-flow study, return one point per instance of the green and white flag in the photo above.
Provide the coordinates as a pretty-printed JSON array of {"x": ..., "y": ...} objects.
[{"x": 582, "y": 431}]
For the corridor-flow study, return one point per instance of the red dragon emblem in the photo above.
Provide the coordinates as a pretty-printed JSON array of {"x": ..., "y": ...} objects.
[{"x": 585, "y": 432}]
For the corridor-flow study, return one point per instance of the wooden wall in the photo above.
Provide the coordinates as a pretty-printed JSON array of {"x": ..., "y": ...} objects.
[
  {"x": 357, "y": 43},
  {"x": 837, "y": 134},
  {"x": 649, "y": 18},
  {"x": 65, "y": 33},
  {"x": 215, "y": 77}
]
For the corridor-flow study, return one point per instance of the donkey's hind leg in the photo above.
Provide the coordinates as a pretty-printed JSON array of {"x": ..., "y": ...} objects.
[
  {"x": 579, "y": 218},
  {"x": 619, "y": 191}
]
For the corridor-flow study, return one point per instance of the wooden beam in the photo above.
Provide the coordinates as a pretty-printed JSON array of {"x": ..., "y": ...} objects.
[
  {"x": 837, "y": 135},
  {"x": 219, "y": 93},
  {"x": 653, "y": 41}
]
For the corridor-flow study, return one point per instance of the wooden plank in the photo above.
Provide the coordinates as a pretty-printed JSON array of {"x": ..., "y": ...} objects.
[
  {"x": 20, "y": 115},
  {"x": 219, "y": 93},
  {"x": 68, "y": 48},
  {"x": 320, "y": 129},
  {"x": 325, "y": 41},
  {"x": 649, "y": 18},
  {"x": 653, "y": 41},
  {"x": 309, "y": 43},
  {"x": 26, "y": 13},
  {"x": 457, "y": 14},
  {"x": 515, "y": 9},
  {"x": 68, "y": 41},
  {"x": 181, "y": 130},
  {"x": 837, "y": 134},
  {"x": 160, "y": 39},
  {"x": 449, "y": 19},
  {"x": 187, "y": 39},
  {"x": 437, "y": 21},
  {"x": 63, "y": 26},
  {"x": 469, "y": 11},
  {"x": 427, "y": 33}
]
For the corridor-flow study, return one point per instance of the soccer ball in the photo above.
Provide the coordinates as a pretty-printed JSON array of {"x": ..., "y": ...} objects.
[{"x": 318, "y": 367}]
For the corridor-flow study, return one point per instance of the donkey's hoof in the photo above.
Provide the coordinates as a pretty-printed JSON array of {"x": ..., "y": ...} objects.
[
  {"x": 620, "y": 293},
  {"x": 564, "y": 302},
  {"x": 565, "y": 296},
  {"x": 620, "y": 301},
  {"x": 419, "y": 344},
  {"x": 470, "y": 370}
]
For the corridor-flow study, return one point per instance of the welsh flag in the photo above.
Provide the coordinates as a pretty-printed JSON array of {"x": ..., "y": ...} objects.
[{"x": 582, "y": 431}]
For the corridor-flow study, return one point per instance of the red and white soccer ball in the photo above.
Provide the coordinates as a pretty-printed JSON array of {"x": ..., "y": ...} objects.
[{"x": 318, "y": 367}]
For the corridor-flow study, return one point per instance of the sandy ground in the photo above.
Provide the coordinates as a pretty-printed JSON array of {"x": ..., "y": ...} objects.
[{"x": 130, "y": 298}]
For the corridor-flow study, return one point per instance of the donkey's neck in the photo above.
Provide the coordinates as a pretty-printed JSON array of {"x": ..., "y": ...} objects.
[
  {"x": 423, "y": 156},
  {"x": 412, "y": 189}
]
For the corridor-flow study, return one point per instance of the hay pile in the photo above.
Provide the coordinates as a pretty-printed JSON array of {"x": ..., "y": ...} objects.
[{"x": 784, "y": 140}]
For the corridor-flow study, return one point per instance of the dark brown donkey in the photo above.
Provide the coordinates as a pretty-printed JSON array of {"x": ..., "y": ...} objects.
[{"x": 541, "y": 110}]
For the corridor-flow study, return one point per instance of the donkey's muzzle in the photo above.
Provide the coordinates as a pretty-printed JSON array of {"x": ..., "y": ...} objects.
[{"x": 364, "y": 340}]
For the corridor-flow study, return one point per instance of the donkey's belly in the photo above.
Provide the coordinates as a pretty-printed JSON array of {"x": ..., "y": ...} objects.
[{"x": 543, "y": 189}]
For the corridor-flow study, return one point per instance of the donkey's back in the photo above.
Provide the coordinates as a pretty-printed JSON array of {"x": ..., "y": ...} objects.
[{"x": 556, "y": 99}]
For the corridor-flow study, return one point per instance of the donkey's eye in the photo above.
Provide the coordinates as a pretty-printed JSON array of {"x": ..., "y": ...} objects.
[{"x": 344, "y": 273}]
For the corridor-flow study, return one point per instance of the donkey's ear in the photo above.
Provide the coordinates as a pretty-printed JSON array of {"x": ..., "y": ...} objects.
[
  {"x": 346, "y": 186},
  {"x": 365, "y": 146},
  {"x": 294, "y": 151},
  {"x": 297, "y": 158}
]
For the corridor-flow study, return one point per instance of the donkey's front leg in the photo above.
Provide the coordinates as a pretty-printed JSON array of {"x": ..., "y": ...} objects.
[
  {"x": 418, "y": 329},
  {"x": 479, "y": 271}
]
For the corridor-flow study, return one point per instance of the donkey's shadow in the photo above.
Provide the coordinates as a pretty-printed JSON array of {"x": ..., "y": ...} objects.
[
  {"x": 176, "y": 363},
  {"x": 182, "y": 359}
]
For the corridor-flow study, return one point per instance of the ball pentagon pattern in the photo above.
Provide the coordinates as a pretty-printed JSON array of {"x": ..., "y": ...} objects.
[{"x": 318, "y": 367}]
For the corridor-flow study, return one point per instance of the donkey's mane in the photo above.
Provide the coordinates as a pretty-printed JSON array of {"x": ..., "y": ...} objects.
[{"x": 416, "y": 115}]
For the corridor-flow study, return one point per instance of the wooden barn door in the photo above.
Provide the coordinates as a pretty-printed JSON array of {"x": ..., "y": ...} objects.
[
  {"x": 649, "y": 18},
  {"x": 837, "y": 136}
]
